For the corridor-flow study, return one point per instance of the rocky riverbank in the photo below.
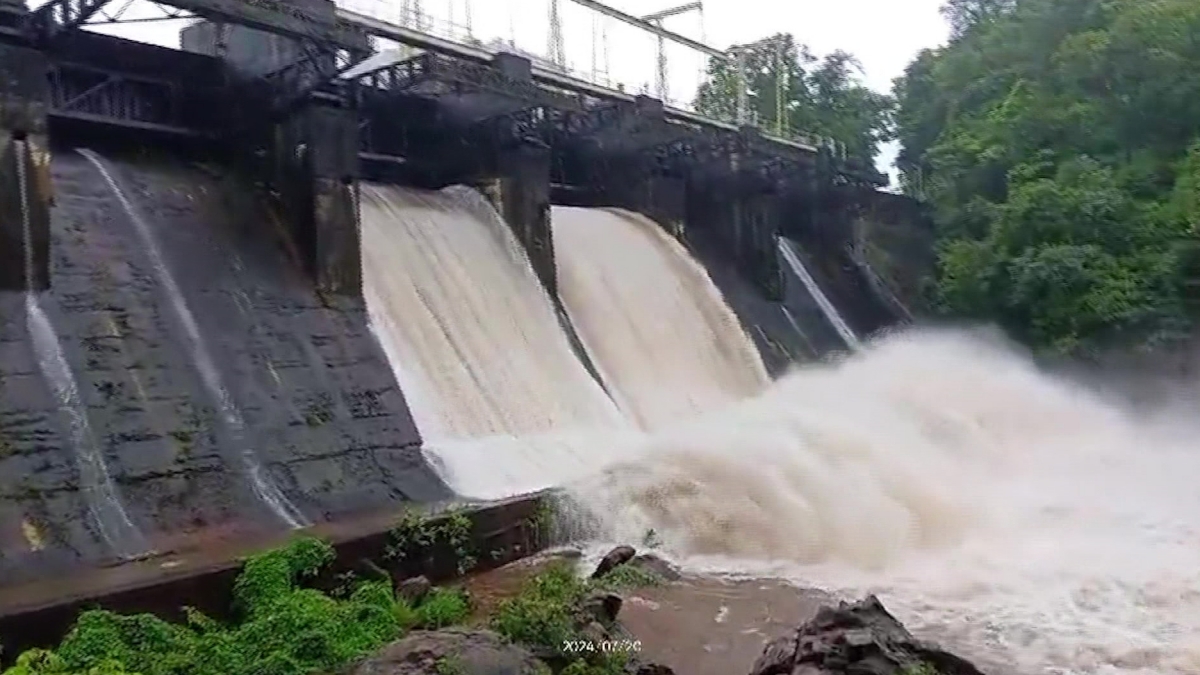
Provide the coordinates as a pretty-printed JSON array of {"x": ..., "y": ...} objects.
[
  {"x": 698, "y": 625},
  {"x": 633, "y": 615}
]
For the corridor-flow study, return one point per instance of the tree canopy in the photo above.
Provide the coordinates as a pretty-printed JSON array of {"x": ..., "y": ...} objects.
[
  {"x": 791, "y": 90},
  {"x": 1058, "y": 142}
]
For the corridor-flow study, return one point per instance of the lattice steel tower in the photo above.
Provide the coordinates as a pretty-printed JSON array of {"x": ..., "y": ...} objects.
[{"x": 661, "y": 86}]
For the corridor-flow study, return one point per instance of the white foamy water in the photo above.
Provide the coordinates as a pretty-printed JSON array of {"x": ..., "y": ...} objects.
[
  {"x": 1012, "y": 516},
  {"x": 476, "y": 344},
  {"x": 653, "y": 322}
]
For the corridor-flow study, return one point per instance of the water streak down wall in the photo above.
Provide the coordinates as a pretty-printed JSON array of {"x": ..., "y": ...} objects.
[
  {"x": 23, "y": 106},
  {"x": 321, "y": 411}
]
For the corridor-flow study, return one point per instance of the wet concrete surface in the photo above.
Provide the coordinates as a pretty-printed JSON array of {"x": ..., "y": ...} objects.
[
  {"x": 766, "y": 322},
  {"x": 318, "y": 414},
  {"x": 213, "y": 549}
]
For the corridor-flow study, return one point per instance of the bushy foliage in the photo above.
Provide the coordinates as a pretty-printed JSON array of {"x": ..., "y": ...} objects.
[
  {"x": 793, "y": 91},
  {"x": 1059, "y": 143},
  {"x": 282, "y": 628},
  {"x": 544, "y": 614},
  {"x": 443, "y": 607}
]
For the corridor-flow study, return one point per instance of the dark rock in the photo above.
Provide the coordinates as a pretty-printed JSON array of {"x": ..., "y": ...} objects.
[
  {"x": 594, "y": 633},
  {"x": 461, "y": 651},
  {"x": 653, "y": 669},
  {"x": 657, "y": 566},
  {"x": 568, "y": 554},
  {"x": 603, "y": 607},
  {"x": 859, "y": 638},
  {"x": 413, "y": 590},
  {"x": 368, "y": 569},
  {"x": 777, "y": 658},
  {"x": 618, "y": 556}
]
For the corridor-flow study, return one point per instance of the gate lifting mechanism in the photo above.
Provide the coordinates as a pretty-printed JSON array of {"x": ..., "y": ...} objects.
[{"x": 329, "y": 47}]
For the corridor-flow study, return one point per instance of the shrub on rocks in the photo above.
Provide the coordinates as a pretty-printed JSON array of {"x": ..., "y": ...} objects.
[
  {"x": 624, "y": 567},
  {"x": 559, "y": 623}
]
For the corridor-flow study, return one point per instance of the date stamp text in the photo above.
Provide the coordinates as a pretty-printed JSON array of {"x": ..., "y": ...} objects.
[{"x": 601, "y": 646}]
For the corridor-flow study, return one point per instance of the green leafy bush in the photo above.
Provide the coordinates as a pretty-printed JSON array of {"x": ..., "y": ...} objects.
[
  {"x": 283, "y": 628},
  {"x": 1056, "y": 144},
  {"x": 544, "y": 614},
  {"x": 442, "y": 607}
]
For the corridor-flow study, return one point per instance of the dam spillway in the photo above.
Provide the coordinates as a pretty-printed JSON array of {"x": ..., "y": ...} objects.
[
  {"x": 205, "y": 290},
  {"x": 661, "y": 334},
  {"x": 226, "y": 366}
]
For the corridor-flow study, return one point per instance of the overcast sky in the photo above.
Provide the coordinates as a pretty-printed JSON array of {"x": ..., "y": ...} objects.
[{"x": 883, "y": 34}]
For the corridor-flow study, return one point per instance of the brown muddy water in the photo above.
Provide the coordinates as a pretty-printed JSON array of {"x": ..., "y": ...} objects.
[{"x": 697, "y": 625}]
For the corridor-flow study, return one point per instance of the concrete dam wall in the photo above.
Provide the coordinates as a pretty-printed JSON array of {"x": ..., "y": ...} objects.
[
  {"x": 185, "y": 369},
  {"x": 186, "y": 384}
]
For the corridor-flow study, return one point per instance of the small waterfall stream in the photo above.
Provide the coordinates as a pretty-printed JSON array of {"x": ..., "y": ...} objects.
[
  {"x": 99, "y": 492},
  {"x": 264, "y": 488},
  {"x": 827, "y": 308}
]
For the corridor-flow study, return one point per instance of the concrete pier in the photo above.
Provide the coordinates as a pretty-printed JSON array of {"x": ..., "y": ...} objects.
[
  {"x": 319, "y": 146},
  {"x": 311, "y": 157},
  {"x": 746, "y": 218},
  {"x": 520, "y": 191}
]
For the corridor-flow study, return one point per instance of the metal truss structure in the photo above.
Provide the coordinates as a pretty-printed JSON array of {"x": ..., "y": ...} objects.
[
  {"x": 89, "y": 94},
  {"x": 585, "y": 128},
  {"x": 119, "y": 15},
  {"x": 491, "y": 103},
  {"x": 329, "y": 45}
]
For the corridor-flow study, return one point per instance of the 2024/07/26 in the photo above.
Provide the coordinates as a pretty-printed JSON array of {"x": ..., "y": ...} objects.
[{"x": 601, "y": 646}]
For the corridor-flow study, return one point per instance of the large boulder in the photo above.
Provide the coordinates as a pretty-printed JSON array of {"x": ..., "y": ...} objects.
[
  {"x": 454, "y": 650},
  {"x": 860, "y": 638},
  {"x": 614, "y": 558},
  {"x": 647, "y": 562},
  {"x": 657, "y": 566}
]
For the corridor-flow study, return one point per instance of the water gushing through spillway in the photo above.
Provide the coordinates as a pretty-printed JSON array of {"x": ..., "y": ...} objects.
[
  {"x": 476, "y": 344},
  {"x": 1022, "y": 520},
  {"x": 654, "y": 323}
]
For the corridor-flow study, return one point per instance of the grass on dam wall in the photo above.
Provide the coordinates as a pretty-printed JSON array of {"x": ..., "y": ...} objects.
[{"x": 291, "y": 616}]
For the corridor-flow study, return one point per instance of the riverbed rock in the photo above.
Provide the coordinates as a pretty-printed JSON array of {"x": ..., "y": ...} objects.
[
  {"x": 861, "y": 638},
  {"x": 656, "y": 566},
  {"x": 413, "y": 590},
  {"x": 454, "y": 650},
  {"x": 652, "y": 669},
  {"x": 602, "y": 607},
  {"x": 618, "y": 556}
]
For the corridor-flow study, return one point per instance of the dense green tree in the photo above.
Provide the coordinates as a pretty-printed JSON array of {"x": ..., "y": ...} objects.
[
  {"x": 790, "y": 90},
  {"x": 1058, "y": 142}
]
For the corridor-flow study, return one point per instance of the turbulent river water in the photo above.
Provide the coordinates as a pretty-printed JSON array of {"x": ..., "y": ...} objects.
[
  {"x": 1019, "y": 518},
  {"x": 1027, "y": 523}
]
